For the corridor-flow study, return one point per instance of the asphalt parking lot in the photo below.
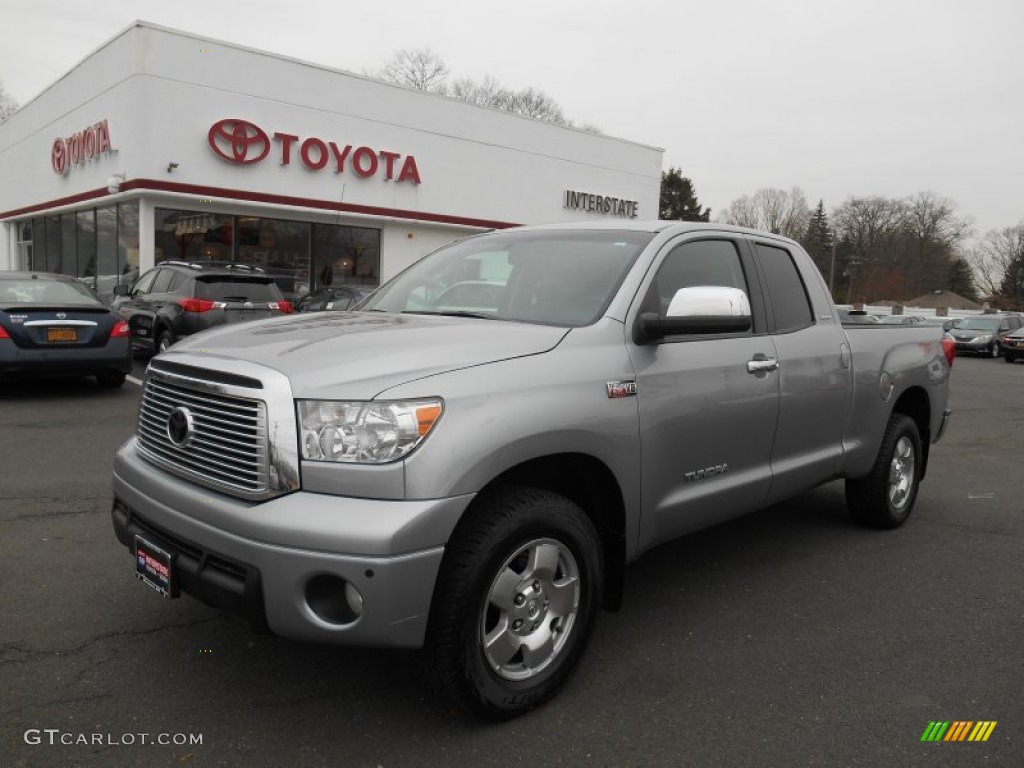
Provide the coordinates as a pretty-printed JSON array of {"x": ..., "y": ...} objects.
[{"x": 786, "y": 638}]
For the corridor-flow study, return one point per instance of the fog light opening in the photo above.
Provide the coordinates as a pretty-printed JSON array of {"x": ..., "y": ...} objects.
[{"x": 333, "y": 599}]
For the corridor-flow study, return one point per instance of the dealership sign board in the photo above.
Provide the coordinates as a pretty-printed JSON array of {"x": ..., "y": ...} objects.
[
  {"x": 241, "y": 142},
  {"x": 608, "y": 206},
  {"x": 90, "y": 142}
]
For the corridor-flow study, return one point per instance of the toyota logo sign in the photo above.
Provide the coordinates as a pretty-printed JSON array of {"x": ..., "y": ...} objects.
[{"x": 239, "y": 141}]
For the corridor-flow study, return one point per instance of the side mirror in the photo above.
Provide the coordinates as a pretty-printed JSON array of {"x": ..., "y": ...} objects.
[
  {"x": 703, "y": 309},
  {"x": 121, "y": 290}
]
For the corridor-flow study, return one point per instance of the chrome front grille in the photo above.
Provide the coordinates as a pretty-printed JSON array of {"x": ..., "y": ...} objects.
[{"x": 226, "y": 445}]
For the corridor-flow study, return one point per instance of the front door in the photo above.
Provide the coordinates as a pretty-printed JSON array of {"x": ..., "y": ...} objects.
[{"x": 707, "y": 422}]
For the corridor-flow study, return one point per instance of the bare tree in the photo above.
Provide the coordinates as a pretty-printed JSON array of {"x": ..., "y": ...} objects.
[
  {"x": 531, "y": 102},
  {"x": 868, "y": 229},
  {"x": 773, "y": 210},
  {"x": 995, "y": 256},
  {"x": 8, "y": 106},
  {"x": 932, "y": 234},
  {"x": 418, "y": 68},
  {"x": 484, "y": 93},
  {"x": 424, "y": 70}
]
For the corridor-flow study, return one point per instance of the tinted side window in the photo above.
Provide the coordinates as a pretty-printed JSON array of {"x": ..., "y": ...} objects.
[
  {"x": 695, "y": 263},
  {"x": 144, "y": 283},
  {"x": 786, "y": 290},
  {"x": 164, "y": 278}
]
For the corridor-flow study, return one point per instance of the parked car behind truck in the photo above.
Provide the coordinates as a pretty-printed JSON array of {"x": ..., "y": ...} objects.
[
  {"x": 980, "y": 334},
  {"x": 475, "y": 480}
]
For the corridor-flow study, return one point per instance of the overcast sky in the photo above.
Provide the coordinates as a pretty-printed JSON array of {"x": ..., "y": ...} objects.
[{"x": 839, "y": 98}]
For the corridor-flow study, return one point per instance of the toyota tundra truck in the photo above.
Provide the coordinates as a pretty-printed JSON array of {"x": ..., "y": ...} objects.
[{"x": 468, "y": 462}]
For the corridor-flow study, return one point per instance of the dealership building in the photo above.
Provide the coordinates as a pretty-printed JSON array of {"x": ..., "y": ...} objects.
[{"x": 166, "y": 145}]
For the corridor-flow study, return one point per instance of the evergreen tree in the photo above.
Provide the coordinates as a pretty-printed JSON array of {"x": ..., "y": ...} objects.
[
  {"x": 818, "y": 240},
  {"x": 961, "y": 279},
  {"x": 679, "y": 199}
]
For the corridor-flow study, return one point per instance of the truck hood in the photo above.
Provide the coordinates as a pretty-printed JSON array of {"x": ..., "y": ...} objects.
[{"x": 357, "y": 355}]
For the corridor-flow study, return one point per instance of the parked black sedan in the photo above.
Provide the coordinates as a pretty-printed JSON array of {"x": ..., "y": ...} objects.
[
  {"x": 1012, "y": 346},
  {"x": 54, "y": 325}
]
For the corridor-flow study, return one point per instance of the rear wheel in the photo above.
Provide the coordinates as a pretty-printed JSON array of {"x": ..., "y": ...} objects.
[
  {"x": 164, "y": 341},
  {"x": 110, "y": 379},
  {"x": 518, "y": 593},
  {"x": 886, "y": 496}
]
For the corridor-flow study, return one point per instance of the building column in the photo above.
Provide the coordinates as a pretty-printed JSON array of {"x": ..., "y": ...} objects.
[{"x": 147, "y": 234}]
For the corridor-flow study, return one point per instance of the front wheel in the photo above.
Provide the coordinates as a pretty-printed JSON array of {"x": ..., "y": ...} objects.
[
  {"x": 519, "y": 590},
  {"x": 1010, "y": 359},
  {"x": 886, "y": 496},
  {"x": 993, "y": 351}
]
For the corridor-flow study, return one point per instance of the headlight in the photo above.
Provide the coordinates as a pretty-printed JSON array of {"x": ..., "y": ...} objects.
[
  {"x": 984, "y": 339},
  {"x": 364, "y": 432}
]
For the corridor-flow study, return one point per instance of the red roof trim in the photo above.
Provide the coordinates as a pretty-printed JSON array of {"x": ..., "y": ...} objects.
[{"x": 262, "y": 197}]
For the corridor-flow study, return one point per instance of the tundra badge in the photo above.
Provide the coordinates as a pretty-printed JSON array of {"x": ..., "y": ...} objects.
[{"x": 621, "y": 388}]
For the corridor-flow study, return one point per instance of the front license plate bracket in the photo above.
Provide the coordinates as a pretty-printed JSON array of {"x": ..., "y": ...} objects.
[{"x": 154, "y": 567}]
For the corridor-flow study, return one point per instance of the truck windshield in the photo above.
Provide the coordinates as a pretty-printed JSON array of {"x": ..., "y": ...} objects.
[{"x": 563, "y": 277}]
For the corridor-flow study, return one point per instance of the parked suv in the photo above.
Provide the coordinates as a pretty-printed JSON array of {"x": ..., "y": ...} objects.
[
  {"x": 178, "y": 298},
  {"x": 980, "y": 334}
]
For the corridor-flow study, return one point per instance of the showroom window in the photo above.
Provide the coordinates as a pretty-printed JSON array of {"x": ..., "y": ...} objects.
[
  {"x": 97, "y": 245},
  {"x": 299, "y": 255},
  {"x": 192, "y": 236},
  {"x": 24, "y": 245},
  {"x": 345, "y": 255}
]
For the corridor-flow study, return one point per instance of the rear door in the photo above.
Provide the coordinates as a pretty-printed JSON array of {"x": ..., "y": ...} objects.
[
  {"x": 707, "y": 420},
  {"x": 815, "y": 371},
  {"x": 241, "y": 297}
]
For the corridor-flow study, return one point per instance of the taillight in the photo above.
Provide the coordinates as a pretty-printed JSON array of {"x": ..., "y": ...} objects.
[
  {"x": 196, "y": 305},
  {"x": 121, "y": 330},
  {"x": 285, "y": 306},
  {"x": 949, "y": 348},
  {"x": 3, "y": 333}
]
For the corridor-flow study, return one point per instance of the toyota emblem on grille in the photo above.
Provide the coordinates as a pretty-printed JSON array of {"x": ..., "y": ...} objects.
[
  {"x": 179, "y": 426},
  {"x": 62, "y": 315}
]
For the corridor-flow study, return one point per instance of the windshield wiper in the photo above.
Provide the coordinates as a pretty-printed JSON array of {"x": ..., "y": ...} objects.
[{"x": 453, "y": 313}]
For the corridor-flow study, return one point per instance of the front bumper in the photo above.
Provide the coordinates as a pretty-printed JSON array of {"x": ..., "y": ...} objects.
[
  {"x": 257, "y": 560},
  {"x": 975, "y": 346}
]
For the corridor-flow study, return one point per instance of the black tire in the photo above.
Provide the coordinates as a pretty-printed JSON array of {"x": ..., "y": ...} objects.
[
  {"x": 885, "y": 497},
  {"x": 163, "y": 340},
  {"x": 111, "y": 379},
  {"x": 1010, "y": 359},
  {"x": 488, "y": 587}
]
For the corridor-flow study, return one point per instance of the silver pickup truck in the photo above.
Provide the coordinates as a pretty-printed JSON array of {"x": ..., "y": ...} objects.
[{"x": 469, "y": 461}]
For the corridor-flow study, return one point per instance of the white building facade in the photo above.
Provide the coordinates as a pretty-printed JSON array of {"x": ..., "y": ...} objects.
[{"x": 166, "y": 145}]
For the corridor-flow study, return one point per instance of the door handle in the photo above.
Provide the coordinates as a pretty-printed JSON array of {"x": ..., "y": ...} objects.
[{"x": 762, "y": 364}]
